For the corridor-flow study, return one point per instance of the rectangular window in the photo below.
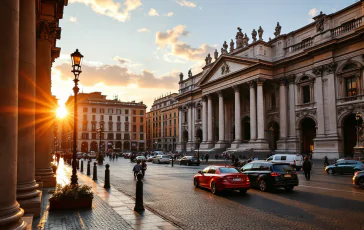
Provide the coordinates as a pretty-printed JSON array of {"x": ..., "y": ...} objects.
[
  {"x": 141, "y": 119},
  {"x": 85, "y": 109},
  {"x": 110, "y": 127},
  {"x": 134, "y": 137},
  {"x": 199, "y": 114},
  {"x": 94, "y": 136},
  {"x": 118, "y": 127},
  {"x": 273, "y": 100},
  {"x": 126, "y": 136},
  {"x": 141, "y": 128},
  {"x": 126, "y": 119},
  {"x": 174, "y": 121},
  {"x": 118, "y": 136},
  {"x": 101, "y": 117},
  {"x": 185, "y": 116},
  {"x": 84, "y": 126},
  {"x": 102, "y": 110},
  {"x": 102, "y": 136},
  {"x": 170, "y": 122},
  {"x": 126, "y": 111},
  {"x": 93, "y": 110},
  {"x": 110, "y": 136},
  {"x": 118, "y": 111},
  {"x": 126, "y": 127},
  {"x": 141, "y": 136},
  {"x": 93, "y": 127},
  {"x": 134, "y": 119},
  {"x": 110, "y": 118},
  {"x": 118, "y": 117},
  {"x": 174, "y": 114},
  {"x": 141, "y": 112},
  {"x": 306, "y": 94},
  {"x": 134, "y": 128},
  {"x": 134, "y": 112},
  {"x": 350, "y": 86},
  {"x": 94, "y": 117},
  {"x": 85, "y": 117}
]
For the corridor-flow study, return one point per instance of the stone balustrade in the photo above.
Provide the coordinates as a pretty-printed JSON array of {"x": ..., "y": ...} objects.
[{"x": 347, "y": 26}]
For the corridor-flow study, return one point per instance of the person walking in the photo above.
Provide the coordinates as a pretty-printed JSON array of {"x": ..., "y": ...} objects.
[
  {"x": 207, "y": 157},
  {"x": 216, "y": 156},
  {"x": 307, "y": 166},
  {"x": 144, "y": 167},
  {"x": 326, "y": 161},
  {"x": 136, "y": 169}
]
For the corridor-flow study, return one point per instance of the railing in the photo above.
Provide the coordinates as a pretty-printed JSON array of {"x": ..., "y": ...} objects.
[
  {"x": 350, "y": 98},
  {"x": 302, "y": 45},
  {"x": 346, "y": 27},
  {"x": 186, "y": 89}
]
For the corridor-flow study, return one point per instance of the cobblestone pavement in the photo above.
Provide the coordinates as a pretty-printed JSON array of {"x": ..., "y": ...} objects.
[{"x": 325, "y": 202}]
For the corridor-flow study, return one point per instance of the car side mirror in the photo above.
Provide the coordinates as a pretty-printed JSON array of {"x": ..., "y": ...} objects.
[{"x": 200, "y": 172}]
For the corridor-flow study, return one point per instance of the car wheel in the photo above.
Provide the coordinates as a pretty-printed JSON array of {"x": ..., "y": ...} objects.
[
  {"x": 330, "y": 171},
  {"x": 243, "y": 191},
  {"x": 213, "y": 188},
  {"x": 262, "y": 185},
  {"x": 288, "y": 189},
  {"x": 195, "y": 183},
  {"x": 361, "y": 182}
]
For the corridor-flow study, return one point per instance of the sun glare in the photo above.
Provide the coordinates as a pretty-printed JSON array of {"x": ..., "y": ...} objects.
[{"x": 61, "y": 112}]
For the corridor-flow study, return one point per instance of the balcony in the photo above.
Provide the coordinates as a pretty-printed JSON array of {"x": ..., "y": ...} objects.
[
  {"x": 346, "y": 27},
  {"x": 302, "y": 45}
]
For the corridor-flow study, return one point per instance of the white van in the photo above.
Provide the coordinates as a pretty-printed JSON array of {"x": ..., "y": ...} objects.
[{"x": 295, "y": 160}]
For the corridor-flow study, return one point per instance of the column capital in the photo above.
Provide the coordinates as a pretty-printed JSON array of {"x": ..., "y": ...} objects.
[
  {"x": 236, "y": 88},
  {"x": 219, "y": 92},
  {"x": 329, "y": 68},
  {"x": 48, "y": 30},
  {"x": 318, "y": 71},
  {"x": 260, "y": 81},
  {"x": 291, "y": 79},
  {"x": 204, "y": 97},
  {"x": 190, "y": 104},
  {"x": 282, "y": 81},
  {"x": 251, "y": 84}
]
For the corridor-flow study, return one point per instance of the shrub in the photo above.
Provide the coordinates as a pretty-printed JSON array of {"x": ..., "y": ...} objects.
[{"x": 70, "y": 192}]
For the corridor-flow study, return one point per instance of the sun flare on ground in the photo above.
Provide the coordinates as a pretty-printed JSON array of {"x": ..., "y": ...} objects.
[{"x": 61, "y": 112}]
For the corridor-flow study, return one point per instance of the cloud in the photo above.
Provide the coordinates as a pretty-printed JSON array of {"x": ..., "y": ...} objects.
[
  {"x": 143, "y": 30},
  {"x": 313, "y": 12},
  {"x": 186, "y": 3},
  {"x": 153, "y": 12},
  {"x": 73, "y": 19},
  {"x": 110, "y": 8},
  {"x": 170, "y": 14},
  {"x": 179, "y": 49},
  {"x": 118, "y": 75}
]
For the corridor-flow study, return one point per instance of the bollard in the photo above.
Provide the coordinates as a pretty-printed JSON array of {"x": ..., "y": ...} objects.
[
  {"x": 107, "y": 176},
  {"x": 81, "y": 165},
  {"x": 172, "y": 161},
  {"x": 139, "y": 194},
  {"x": 88, "y": 168},
  {"x": 94, "y": 177}
]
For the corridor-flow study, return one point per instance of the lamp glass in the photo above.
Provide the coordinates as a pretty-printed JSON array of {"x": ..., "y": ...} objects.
[{"x": 76, "y": 58}]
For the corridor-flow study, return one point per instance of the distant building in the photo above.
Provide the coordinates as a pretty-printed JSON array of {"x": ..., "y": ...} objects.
[
  {"x": 162, "y": 124},
  {"x": 122, "y": 124}
]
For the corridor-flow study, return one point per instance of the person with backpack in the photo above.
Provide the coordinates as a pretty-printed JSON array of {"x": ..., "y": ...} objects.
[
  {"x": 307, "y": 166},
  {"x": 136, "y": 169}
]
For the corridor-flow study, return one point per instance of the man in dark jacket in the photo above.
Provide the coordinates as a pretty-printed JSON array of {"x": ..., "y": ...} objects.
[{"x": 307, "y": 165}]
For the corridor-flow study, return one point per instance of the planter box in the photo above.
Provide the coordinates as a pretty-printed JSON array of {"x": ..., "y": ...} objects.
[{"x": 82, "y": 203}]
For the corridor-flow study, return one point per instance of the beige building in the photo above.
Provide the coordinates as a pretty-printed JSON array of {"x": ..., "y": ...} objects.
[
  {"x": 162, "y": 124},
  {"x": 297, "y": 92},
  {"x": 123, "y": 124}
]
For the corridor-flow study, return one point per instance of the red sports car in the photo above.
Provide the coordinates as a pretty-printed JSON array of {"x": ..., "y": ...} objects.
[{"x": 219, "y": 178}]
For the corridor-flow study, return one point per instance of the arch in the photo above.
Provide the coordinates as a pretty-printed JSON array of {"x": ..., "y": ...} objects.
[
  {"x": 126, "y": 145},
  {"x": 349, "y": 63},
  {"x": 84, "y": 147},
  {"x": 246, "y": 128},
  {"x": 118, "y": 145},
  {"x": 304, "y": 78},
  {"x": 94, "y": 146},
  {"x": 299, "y": 121},
  {"x": 307, "y": 128},
  {"x": 273, "y": 134},
  {"x": 349, "y": 134}
]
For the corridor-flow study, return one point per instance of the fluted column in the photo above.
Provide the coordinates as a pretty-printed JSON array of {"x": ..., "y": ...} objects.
[
  {"x": 193, "y": 120},
  {"x": 292, "y": 114},
  {"x": 10, "y": 212},
  {"x": 204, "y": 120},
  {"x": 221, "y": 118},
  {"x": 283, "y": 109},
  {"x": 237, "y": 115},
  {"x": 180, "y": 124},
  {"x": 189, "y": 119},
  {"x": 210, "y": 138},
  {"x": 253, "y": 112},
  {"x": 319, "y": 97},
  {"x": 260, "y": 109},
  {"x": 43, "y": 115},
  {"x": 27, "y": 194}
]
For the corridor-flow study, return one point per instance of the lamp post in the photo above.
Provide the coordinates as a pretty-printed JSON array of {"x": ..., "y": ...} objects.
[
  {"x": 357, "y": 118},
  {"x": 76, "y": 70},
  {"x": 156, "y": 145},
  {"x": 198, "y": 141},
  {"x": 69, "y": 143},
  {"x": 100, "y": 130}
]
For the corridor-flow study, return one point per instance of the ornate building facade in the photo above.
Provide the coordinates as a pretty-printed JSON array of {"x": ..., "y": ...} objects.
[
  {"x": 122, "y": 124},
  {"x": 162, "y": 124},
  {"x": 29, "y": 33},
  {"x": 296, "y": 93}
]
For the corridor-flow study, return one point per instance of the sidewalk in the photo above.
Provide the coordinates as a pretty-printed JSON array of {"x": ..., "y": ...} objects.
[{"x": 110, "y": 210}]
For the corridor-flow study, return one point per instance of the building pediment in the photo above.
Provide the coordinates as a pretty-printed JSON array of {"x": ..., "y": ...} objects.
[{"x": 226, "y": 65}]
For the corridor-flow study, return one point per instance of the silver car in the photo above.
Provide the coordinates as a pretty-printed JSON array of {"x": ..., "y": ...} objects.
[{"x": 161, "y": 159}]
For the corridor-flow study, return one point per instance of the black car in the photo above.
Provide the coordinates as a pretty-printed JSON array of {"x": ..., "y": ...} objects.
[
  {"x": 267, "y": 175},
  {"x": 345, "y": 166},
  {"x": 189, "y": 160},
  {"x": 358, "y": 179}
]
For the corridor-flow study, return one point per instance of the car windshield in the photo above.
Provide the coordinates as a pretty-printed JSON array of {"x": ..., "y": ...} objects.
[
  {"x": 165, "y": 156},
  {"x": 282, "y": 168},
  {"x": 228, "y": 170}
]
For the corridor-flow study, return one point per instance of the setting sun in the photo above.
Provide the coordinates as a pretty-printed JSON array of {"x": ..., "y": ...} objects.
[{"x": 61, "y": 112}]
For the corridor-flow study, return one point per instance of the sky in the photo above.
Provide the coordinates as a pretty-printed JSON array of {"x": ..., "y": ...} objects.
[{"x": 136, "y": 49}]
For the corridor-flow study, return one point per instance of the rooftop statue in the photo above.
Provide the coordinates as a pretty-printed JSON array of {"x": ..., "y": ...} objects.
[
  {"x": 239, "y": 38},
  {"x": 278, "y": 30},
  {"x": 216, "y": 54},
  {"x": 246, "y": 40},
  {"x": 189, "y": 73},
  {"x": 181, "y": 77},
  {"x": 254, "y": 35},
  {"x": 260, "y": 32},
  {"x": 231, "y": 45}
]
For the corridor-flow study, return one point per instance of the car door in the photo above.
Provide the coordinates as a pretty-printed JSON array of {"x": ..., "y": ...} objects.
[
  {"x": 246, "y": 169},
  {"x": 182, "y": 160},
  {"x": 202, "y": 179},
  {"x": 210, "y": 175},
  {"x": 340, "y": 167},
  {"x": 254, "y": 173},
  {"x": 349, "y": 166}
]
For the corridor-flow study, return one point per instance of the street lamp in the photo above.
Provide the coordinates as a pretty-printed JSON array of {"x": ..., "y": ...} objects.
[
  {"x": 156, "y": 145},
  {"x": 357, "y": 118},
  {"x": 76, "y": 58},
  {"x": 100, "y": 130},
  {"x": 198, "y": 141},
  {"x": 69, "y": 143}
]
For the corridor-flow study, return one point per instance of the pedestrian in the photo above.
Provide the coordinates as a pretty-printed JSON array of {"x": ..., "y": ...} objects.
[
  {"x": 113, "y": 156},
  {"x": 307, "y": 166},
  {"x": 144, "y": 167},
  {"x": 326, "y": 161},
  {"x": 216, "y": 156},
  {"x": 136, "y": 169},
  {"x": 207, "y": 157}
]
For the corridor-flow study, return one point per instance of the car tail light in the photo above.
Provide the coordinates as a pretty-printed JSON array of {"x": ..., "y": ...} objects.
[
  {"x": 295, "y": 173},
  {"x": 274, "y": 174},
  {"x": 356, "y": 173}
]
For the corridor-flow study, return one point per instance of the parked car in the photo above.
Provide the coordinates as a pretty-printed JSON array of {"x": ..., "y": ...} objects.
[
  {"x": 219, "y": 178},
  {"x": 295, "y": 160},
  {"x": 127, "y": 155},
  {"x": 79, "y": 155},
  {"x": 345, "y": 166},
  {"x": 91, "y": 155},
  {"x": 140, "y": 158},
  {"x": 161, "y": 159},
  {"x": 150, "y": 159},
  {"x": 358, "y": 179},
  {"x": 267, "y": 175},
  {"x": 158, "y": 153},
  {"x": 189, "y": 160}
]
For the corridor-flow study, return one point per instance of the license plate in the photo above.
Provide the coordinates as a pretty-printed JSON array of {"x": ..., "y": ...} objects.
[
  {"x": 236, "y": 179},
  {"x": 288, "y": 175}
]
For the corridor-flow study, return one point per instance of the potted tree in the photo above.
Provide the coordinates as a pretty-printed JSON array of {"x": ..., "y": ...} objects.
[{"x": 71, "y": 197}]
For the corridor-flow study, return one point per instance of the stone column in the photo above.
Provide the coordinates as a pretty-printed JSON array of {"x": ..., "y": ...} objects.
[
  {"x": 204, "y": 120},
  {"x": 43, "y": 115},
  {"x": 260, "y": 109},
  {"x": 319, "y": 104},
  {"x": 237, "y": 116},
  {"x": 283, "y": 109},
  {"x": 180, "y": 125},
  {"x": 221, "y": 119},
  {"x": 210, "y": 137},
  {"x": 162, "y": 130},
  {"x": 10, "y": 212},
  {"x": 193, "y": 120},
  {"x": 292, "y": 114},
  {"x": 253, "y": 112},
  {"x": 332, "y": 105},
  {"x": 189, "y": 119},
  {"x": 27, "y": 194}
]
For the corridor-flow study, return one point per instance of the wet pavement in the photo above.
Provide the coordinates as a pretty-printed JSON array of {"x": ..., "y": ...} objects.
[{"x": 324, "y": 202}]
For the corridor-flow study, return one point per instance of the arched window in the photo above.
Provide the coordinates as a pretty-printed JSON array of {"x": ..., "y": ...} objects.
[
  {"x": 306, "y": 90},
  {"x": 349, "y": 76}
]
